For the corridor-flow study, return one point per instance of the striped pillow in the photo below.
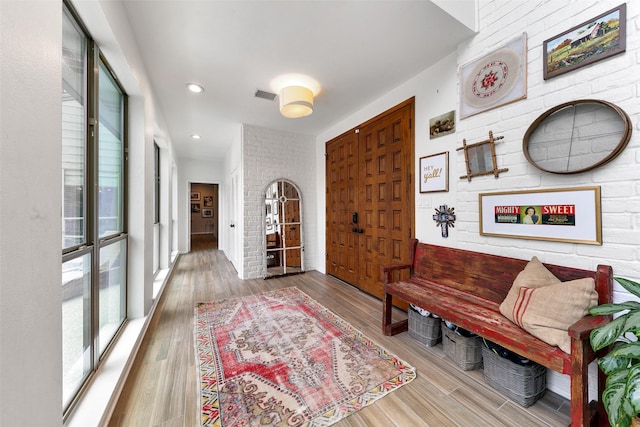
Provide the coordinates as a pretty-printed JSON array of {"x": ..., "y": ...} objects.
[{"x": 548, "y": 312}]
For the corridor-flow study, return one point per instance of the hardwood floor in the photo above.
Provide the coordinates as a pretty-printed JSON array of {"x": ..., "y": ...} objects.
[{"x": 161, "y": 389}]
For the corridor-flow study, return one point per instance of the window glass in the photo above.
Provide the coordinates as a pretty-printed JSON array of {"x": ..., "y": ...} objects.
[
  {"x": 112, "y": 290},
  {"x": 110, "y": 154},
  {"x": 74, "y": 77},
  {"x": 76, "y": 324}
]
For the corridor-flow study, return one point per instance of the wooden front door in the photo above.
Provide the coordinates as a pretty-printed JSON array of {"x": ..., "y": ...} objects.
[
  {"x": 342, "y": 189},
  {"x": 370, "y": 174}
]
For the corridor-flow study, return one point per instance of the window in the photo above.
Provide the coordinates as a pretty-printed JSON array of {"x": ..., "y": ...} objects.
[
  {"x": 94, "y": 238},
  {"x": 156, "y": 189}
]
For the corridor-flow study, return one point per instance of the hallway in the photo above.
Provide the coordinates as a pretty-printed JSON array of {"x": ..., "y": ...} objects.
[{"x": 162, "y": 387}]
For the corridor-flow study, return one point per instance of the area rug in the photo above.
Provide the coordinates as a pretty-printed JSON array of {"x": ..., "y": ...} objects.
[{"x": 281, "y": 359}]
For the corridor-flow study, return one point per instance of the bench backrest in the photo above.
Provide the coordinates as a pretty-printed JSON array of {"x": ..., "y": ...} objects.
[{"x": 491, "y": 276}]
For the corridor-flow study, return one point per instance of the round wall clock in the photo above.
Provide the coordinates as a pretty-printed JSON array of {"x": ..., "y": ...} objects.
[{"x": 577, "y": 136}]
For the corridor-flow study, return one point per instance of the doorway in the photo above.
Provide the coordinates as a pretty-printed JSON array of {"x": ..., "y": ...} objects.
[
  {"x": 204, "y": 216},
  {"x": 371, "y": 198}
]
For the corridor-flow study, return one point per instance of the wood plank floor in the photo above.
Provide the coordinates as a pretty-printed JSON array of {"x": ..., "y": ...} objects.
[{"x": 161, "y": 389}]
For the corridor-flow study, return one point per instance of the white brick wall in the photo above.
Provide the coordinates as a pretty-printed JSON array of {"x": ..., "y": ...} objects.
[
  {"x": 616, "y": 79},
  {"x": 269, "y": 155}
]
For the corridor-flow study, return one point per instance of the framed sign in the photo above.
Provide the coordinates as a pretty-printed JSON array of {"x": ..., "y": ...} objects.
[
  {"x": 593, "y": 40},
  {"x": 561, "y": 215},
  {"x": 434, "y": 173}
]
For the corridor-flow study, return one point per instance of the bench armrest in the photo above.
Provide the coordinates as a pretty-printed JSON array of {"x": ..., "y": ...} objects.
[
  {"x": 386, "y": 270},
  {"x": 583, "y": 327}
]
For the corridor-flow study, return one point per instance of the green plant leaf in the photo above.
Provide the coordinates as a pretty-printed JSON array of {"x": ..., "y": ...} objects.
[
  {"x": 611, "y": 365},
  {"x": 633, "y": 321},
  {"x": 605, "y": 335},
  {"x": 629, "y": 285},
  {"x": 613, "y": 398},
  {"x": 613, "y": 308},
  {"x": 629, "y": 350},
  {"x": 633, "y": 388}
]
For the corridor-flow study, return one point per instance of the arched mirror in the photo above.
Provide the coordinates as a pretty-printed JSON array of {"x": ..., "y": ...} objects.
[
  {"x": 577, "y": 136},
  {"x": 283, "y": 229}
]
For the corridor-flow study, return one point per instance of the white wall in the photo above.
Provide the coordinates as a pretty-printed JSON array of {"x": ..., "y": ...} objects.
[
  {"x": 614, "y": 79},
  {"x": 30, "y": 213},
  {"x": 193, "y": 171},
  {"x": 269, "y": 155}
]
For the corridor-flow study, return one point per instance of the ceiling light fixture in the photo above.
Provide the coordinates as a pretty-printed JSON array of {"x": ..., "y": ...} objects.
[
  {"x": 195, "y": 136},
  {"x": 195, "y": 88},
  {"x": 296, "y": 101}
]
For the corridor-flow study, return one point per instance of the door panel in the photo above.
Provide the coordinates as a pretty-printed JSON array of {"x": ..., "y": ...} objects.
[
  {"x": 378, "y": 185},
  {"x": 342, "y": 174}
]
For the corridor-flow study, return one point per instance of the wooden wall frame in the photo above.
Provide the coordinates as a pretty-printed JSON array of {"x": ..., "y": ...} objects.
[{"x": 480, "y": 158}]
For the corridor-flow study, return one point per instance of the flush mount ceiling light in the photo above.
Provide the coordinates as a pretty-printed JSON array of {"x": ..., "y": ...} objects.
[
  {"x": 296, "y": 93},
  {"x": 195, "y": 136},
  {"x": 296, "y": 101},
  {"x": 195, "y": 88}
]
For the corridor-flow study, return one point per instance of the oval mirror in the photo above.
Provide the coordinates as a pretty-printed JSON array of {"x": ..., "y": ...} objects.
[{"x": 577, "y": 136}]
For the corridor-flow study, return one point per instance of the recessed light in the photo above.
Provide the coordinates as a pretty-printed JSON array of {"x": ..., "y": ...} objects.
[
  {"x": 195, "y": 136},
  {"x": 195, "y": 88}
]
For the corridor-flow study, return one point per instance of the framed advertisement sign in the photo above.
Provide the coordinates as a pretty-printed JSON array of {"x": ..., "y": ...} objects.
[{"x": 561, "y": 215}]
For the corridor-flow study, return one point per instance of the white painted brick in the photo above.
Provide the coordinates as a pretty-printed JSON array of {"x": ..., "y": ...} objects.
[{"x": 267, "y": 156}]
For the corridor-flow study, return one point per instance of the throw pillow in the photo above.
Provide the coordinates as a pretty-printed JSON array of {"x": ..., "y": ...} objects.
[
  {"x": 534, "y": 275},
  {"x": 547, "y": 312}
]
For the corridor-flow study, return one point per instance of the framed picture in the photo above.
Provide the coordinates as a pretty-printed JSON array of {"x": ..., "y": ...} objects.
[
  {"x": 442, "y": 125},
  {"x": 207, "y": 213},
  {"x": 434, "y": 173},
  {"x": 593, "y": 40},
  {"x": 195, "y": 196},
  {"x": 561, "y": 215},
  {"x": 495, "y": 79},
  {"x": 195, "y": 207},
  {"x": 208, "y": 201},
  {"x": 480, "y": 157}
]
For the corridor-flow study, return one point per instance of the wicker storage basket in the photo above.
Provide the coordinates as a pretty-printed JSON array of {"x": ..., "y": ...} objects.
[
  {"x": 425, "y": 329},
  {"x": 465, "y": 351},
  {"x": 524, "y": 384}
]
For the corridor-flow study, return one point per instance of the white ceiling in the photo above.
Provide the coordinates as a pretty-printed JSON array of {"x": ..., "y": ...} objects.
[{"x": 356, "y": 50}]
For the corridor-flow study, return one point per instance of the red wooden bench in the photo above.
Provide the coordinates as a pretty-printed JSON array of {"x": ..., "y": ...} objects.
[{"x": 466, "y": 288}]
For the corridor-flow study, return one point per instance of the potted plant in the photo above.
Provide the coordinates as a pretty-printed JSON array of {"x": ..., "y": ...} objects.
[{"x": 621, "y": 365}]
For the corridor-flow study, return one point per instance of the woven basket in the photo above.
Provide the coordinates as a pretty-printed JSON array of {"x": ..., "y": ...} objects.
[
  {"x": 465, "y": 351},
  {"x": 425, "y": 329},
  {"x": 522, "y": 384}
]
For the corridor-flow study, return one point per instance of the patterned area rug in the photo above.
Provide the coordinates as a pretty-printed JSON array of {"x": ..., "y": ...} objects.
[{"x": 282, "y": 359}]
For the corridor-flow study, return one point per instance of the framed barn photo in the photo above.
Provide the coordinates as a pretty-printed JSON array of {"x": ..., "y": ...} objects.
[
  {"x": 596, "y": 39},
  {"x": 561, "y": 215}
]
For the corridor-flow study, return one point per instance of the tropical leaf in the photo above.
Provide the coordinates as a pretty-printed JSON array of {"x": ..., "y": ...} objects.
[
  {"x": 633, "y": 389},
  {"x": 633, "y": 321},
  {"x": 605, "y": 335},
  {"x": 613, "y": 397},
  {"x": 617, "y": 377},
  {"x": 611, "y": 364},
  {"x": 614, "y": 308},
  {"x": 629, "y": 350},
  {"x": 629, "y": 285}
]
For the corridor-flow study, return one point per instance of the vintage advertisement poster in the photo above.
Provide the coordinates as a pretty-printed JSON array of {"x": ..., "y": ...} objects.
[{"x": 563, "y": 214}]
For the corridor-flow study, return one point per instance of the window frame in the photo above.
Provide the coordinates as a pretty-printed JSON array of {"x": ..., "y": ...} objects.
[{"x": 93, "y": 243}]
